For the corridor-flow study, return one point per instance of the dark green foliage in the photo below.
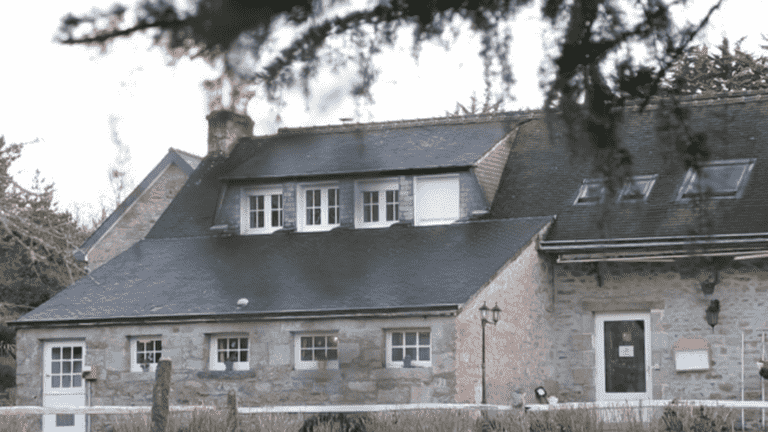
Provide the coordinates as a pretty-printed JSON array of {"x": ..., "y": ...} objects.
[
  {"x": 345, "y": 422},
  {"x": 36, "y": 239},
  {"x": 7, "y": 377}
]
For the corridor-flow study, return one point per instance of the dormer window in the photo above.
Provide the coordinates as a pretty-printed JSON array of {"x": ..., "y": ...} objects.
[
  {"x": 718, "y": 179},
  {"x": 590, "y": 192},
  {"x": 377, "y": 203},
  {"x": 637, "y": 188},
  {"x": 318, "y": 207},
  {"x": 261, "y": 210},
  {"x": 436, "y": 199}
]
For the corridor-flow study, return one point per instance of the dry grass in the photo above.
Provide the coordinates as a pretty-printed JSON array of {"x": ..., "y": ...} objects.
[{"x": 679, "y": 419}]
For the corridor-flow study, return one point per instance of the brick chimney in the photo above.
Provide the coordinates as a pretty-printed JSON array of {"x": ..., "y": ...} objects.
[{"x": 224, "y": 129}]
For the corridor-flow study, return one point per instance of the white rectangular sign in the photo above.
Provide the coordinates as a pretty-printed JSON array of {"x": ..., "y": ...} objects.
[{"x": 626, "y": 350}]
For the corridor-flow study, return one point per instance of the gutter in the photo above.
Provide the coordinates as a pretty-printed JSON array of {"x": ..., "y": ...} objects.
[
  {"x": 444, "y": 310},
  {"x": 651, "y": 242}
]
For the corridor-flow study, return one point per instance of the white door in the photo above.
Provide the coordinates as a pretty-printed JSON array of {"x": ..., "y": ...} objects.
[
  {"x": 623, "y": 356},
  {"x": 63, "y": 385}
]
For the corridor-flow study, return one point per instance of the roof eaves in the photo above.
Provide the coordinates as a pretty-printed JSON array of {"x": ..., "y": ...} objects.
[
  {"x": 389, "y": 312},
  {"x": 385, "y": 172}
]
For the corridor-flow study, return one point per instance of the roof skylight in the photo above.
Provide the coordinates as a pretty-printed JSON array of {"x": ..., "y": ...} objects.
[
  {"x": 718, "y": 179},
  {"x": 637, "y": 189},
  {"x": 591, "y": 192}
]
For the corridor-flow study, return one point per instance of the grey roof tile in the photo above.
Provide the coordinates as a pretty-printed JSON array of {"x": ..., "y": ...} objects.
[{"x": 340, "y": 269}]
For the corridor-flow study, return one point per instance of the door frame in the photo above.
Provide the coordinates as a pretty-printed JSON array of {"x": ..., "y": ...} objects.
[
  {"x": 600, "y": 319},
  {"x": 63, "y": 397}
]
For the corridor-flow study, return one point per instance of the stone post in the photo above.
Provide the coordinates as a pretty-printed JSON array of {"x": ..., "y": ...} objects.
[
  {"x": 231, "y": 411},
  {"x": 161, "y": 397}
]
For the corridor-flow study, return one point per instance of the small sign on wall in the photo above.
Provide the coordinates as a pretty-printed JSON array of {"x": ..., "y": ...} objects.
[
  {"x": 626, "y": 350},
  {"x": 691, "y": 355}
]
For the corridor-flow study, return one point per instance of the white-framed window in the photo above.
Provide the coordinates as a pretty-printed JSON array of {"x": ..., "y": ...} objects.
[
  {"x": 637, "y": 188},
  {"x": 591, "y": 191},
  {"x": 316, "y": 350},
  {"x": 146, "y": 351},
  {"x": 318, "y": 207},
  {"x": 415, "y": 344},
  {"x": 717, "y": 179},
  {"x": 377, "y": 203},
  {"x": 227, "y": 349},
  {"x": 436, "y": 199},
  {"x": 261, "y": 210}
]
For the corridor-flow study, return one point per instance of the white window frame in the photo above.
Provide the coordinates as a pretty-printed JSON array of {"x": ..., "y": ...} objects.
[
  {"x": 585, "y": 187},
  {"x": 450, "y": 216},
  {"x": 394, "y": 364},
  {"x": 691, "y": 178},
  {"x": 245, "y": 209},
  {"x": 382, "y": 187},
  {"x": 301, "y": 207},
  {"x": 643, "y": 182},
  {"x": 213, "y": 358},
  {"x": 135, "y": 365},
  {"x": 300, "y": 364}
]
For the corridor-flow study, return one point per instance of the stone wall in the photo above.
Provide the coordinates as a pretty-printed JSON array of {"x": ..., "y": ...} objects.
[
  {"x": 136, "y": 222},
  {"x": 519, "y": 346},
  {"x": 271, "y": 380},
  {"x": 671, "y": 293}
]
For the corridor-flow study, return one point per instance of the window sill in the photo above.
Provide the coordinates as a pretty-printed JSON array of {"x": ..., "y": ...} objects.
[{"x": 233, "y": 375}]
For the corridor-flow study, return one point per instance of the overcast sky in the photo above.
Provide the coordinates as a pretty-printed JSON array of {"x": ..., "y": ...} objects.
[{"x": 62, "y": 97}]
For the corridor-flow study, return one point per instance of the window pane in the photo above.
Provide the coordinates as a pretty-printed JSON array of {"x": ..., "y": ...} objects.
[
  {"x": 410, "y": 338},
  {"x": 317, "y": 217},
  {"x": 139, "y": 346},
  {"x": 397, "y": 338},
  {"x": 317, "y": 197},
  {"x": 319, "y": 341},
  {"x": 253, "y": 204},
  {"x": 140, "y": 358},
  {"x": 306, "y": 342},
  {"x": 77, "y": 380},
  {"x": 77, "y": 352},
  {"x": 243, "y": 343},
  {"x": 424, "y": 338},
  {"x": 222, "y": 357},
  {"x": 320, "y": 355},
  {"x": 243, "y": 356},
  {"x": 333, "y": 341},
  {"x": 424, "y": 354},
  {"x": 66, "y": 381},
  {"x": 333, "y": 354},
  {"x": 222, "y": 344},
  {"x": 56, "y": 367},
  {"x": 63, "y": 420},
  {"x": 310, "y": 198},
  {"x": 397, "y": 354},
  {"x": 306, "y": 355},
  {"x": 55, "y": 381},
  {"x": 56, "y": 353},
  {"x": 66, "y": 367},
  {"x": 67, "y": 353},
  {"x": 332, "y": 197},
  {"x": 233, "y": 344},
  {"x": 366, "y": 213},
  {"x": 157, "y": 357},
  {"x": 158, "y": 345},
  {"x": 411, "y": 352}
]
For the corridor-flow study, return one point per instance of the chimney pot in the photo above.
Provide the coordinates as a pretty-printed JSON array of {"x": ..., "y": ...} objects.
[{"x": 225, "y": 128}]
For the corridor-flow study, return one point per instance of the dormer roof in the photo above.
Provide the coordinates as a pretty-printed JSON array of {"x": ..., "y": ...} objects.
[{"x": 388, "y": 147}]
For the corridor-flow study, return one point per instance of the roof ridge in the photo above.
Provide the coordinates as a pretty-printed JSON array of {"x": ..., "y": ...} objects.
[{"x": 405, "y": 123}]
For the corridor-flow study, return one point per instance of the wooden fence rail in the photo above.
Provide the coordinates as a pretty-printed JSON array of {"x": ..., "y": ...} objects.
[{"x": 315, "y": 409}]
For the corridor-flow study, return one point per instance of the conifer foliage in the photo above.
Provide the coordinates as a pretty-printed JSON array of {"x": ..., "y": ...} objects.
[{"x": 36, "y": 239}]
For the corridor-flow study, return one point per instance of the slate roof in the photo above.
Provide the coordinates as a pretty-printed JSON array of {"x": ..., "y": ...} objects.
[
  {"x": 342, "y": 269},
  {"x": 377, "y": 147},
  {"x": 187, "y": 162},
  {"x": 543, "y": 177}
]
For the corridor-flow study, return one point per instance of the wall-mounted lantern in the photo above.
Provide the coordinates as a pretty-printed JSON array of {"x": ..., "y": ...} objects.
[
  {"x": 713, "y": 313},
  {"x": 495, "y": 313}
]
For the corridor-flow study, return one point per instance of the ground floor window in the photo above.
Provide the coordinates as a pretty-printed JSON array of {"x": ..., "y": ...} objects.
[
  {"x": 317, "y": 351},
  {"x": 229, "y": 352},
  {"x": 412, "y": 347}
]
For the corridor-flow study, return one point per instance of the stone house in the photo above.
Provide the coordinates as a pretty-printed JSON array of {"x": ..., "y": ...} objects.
[
  {"x": 315, "y": 265},
  {"x": 136, "y": 215}
]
